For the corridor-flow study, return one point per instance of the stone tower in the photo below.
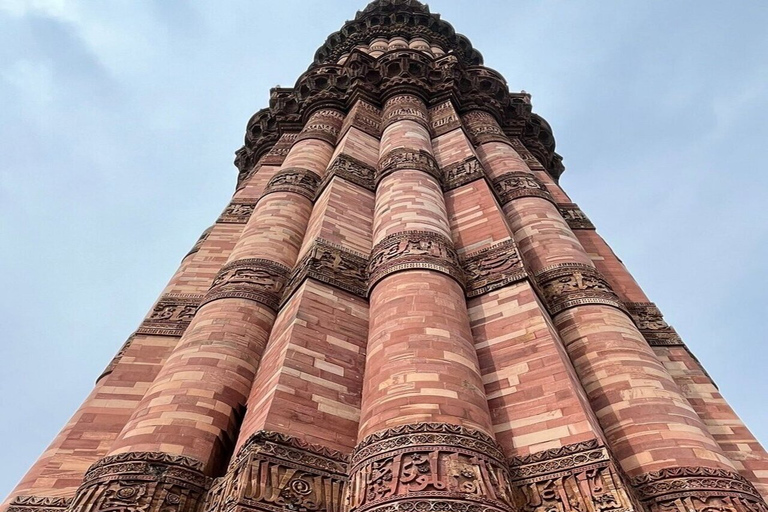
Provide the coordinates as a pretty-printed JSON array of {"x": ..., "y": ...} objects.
[{"x": 400, "y": 310}]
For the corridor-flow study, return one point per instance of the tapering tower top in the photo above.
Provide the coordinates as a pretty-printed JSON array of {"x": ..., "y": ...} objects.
[{"x": 397, "y": 18}]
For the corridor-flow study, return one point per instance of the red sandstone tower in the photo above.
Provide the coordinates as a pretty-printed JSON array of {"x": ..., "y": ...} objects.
[{"x": 400, "y": 310}]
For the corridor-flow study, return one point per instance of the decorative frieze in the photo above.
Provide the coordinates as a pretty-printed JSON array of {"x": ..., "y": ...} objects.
[
  {"x": 568, "y": 285},
  {"x": 171, "y": 315},
  {"x": 279, "y": 151},
  {"x": 38, "y": 504},
  {"x": 492, "y": 268},
  {"x": 142, "y": 482},
  {"x": 405, "y": 107},
  {"x": 650, "y": 322},
  {"x": 516, "y": 184},
  {"x": 443, "y": 119},
  {"x": 352, "y": 170},
  {"x": 324, "y": 125},
  {"x": 579, "y": 477},
  {"x": 367, "y": 118},
  {"x": 238, "y": 212},
  {"x": 254, "y": 279},
  {"x": 275, "y": 472},
  {"x": 429, "y": 466},
  {"x": 331, "y": 264},
  {"x": 413, "y": 250},
  {"x": 526, "y": 155},
  {"x": 115, "y": 360},
  {"x": 461, "y": 173},
  {"x": 408, "y": 159},
  {"x": 195, "y": 248},
  {"x": 573, "y": 215},
  {"x": 697, "y": 489},
  {"x": 482, "y": 127},
  {"x": 294, "y": 179}
]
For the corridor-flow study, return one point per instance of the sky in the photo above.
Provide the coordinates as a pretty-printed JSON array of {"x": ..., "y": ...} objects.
[{"x": 119, "y": 120}]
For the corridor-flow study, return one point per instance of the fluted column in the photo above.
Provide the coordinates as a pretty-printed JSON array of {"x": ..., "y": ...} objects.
[
  {"x": 650, "y": 426},
  {"x": 424, "y": 428},
  {"x": 190, "y": 415}
]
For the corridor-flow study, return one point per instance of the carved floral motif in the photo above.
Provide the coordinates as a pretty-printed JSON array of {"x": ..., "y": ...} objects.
[
  {"x": 575, "y": 218},
  {"x": 408, "y": 159},
  {"x": 294, "y": 179},
  {"x": 492, "y": 268},
  {"x": 461, "y": 173},
  {"x": 171, "y": 315},
  {"x": 238, "y": 212},
  {"x": 38, "y": 504},
  {"x": 516, "y": 184},
  {"x": 574, "y": 284},
  {"x": 254, "y": 279},
  {"x": 413, "y": 250}
]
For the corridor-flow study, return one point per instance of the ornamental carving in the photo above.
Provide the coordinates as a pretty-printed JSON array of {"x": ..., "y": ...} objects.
[
  {"x": 331, "y": 264},
  {"x": 200, "y": 241},
  {"x": 171, "y": 315},
  {"x": 352, "y": 170},
  {"x": 408, "y": 159},
  {"x": 365, "y": 117},
  {"x": 574, "y": 284},
  {"x": 574, "y": 478},
  {"x": 254, "y": 279},
  {"x": 443, "y": 119},
  {"x": 38, "y": 504},
  {"x": 405, "y": 107},
  {"x": 413, "y": 250},
  {"x": 697, "y": 489},
  {"x": 238, "y": 212},
  {"x": 516, "y": 184},
  {"x": 526, "y": 155},
  {"x": 461, "y": 173},
  {"x": 324, "y": 125},
  {"x": 492, "y": 268},
  {"x": 482, "y": 127},
  {"x": 419, "y": 466},
  {"x": 651, "y": 324},
  {"x": 142, "y": 482},
  {"x": 575, "y": 218},
  {"x": 275, "y": 472},
  {"x": 294, "y": 179},
  {"x": 279, "y": 151},
  {"x": 115, "y": 360}
]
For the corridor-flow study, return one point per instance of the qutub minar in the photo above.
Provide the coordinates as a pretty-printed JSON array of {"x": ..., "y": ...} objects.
[{"x": 401, "y": 310}]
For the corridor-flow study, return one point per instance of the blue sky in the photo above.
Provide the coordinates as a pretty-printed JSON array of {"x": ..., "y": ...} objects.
[{"x": 118, "y": 123}]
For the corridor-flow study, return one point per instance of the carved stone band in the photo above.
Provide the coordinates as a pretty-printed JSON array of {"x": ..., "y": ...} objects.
[
  {"x": 146, "y": 481},
  {"x": 408, "y": 159},
  {"x": 352, "y": 170},
  {"x": 324, "y": 125},
  {"x": 575, "y": 218},
  {"x": 443, "y": 119},
  {"x": 461, "y": 173},
  {"x": 366, "y": 118},
  {"x": 238, "y": 212},
  {"x": 413, "y": 250},
  {"x": 697, "y": 489},
  {"x": 405, "y": 108},
  {"x": 171, "y": 315},
  {"x": 411, "y": 466},
  {"x": 38, "y": 504},
  {"x": 275, "y": 472},
  {"x": 331, "y": 264},
  {"x": 579, "y": 476},
  {"x": 531, "y": 161},
  {"x": 482, "y": 128},
  {"x": 254, "y": 279},
  {"x": 492, "y": 268},
  {"x": 650, "y": 322},
  {"x": 195, "y": 248},
  {"x": 516, "y": 184},
  {"x": 294, "y": 179},
  {"x": 574, "y": 284}
]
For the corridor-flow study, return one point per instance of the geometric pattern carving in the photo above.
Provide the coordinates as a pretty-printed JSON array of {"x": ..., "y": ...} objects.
[
  {"x": 650, "y": 322},
  {"x": 324, "y": 124},
  {"x": 408, "y": 159},
  {"x": 580, "y": 477},
  {"x": 568, "y": 285},
  {"x": 254, "y": 279},
  {"x": 171, "y": 315},
  {"x": 238, "y": 212},
  {"x": 574, "y": 216},
  {"x": 142, "y": 482},
  {"x": 352, "y": 170},
  {"x": 461, "y": 173},
  {"x": 294, "y": 179},
  {"x": 331, "y": 264},
  {"x": 428, "y": 466},
  {"x": 38, "y": 504},
  {"x": 443, "y": 119},
  {"x": 697, "y": 489},
  {"x": 482, "y": 128},
  {"x": 367, "y": 118},
  {"x": 404, "y": 107},
  {"x": 275, "y": 472},
  {"x": 492, "y": 268},
  {"x": 515, "y": 184},
  {"x": 413, "y": 250}
]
